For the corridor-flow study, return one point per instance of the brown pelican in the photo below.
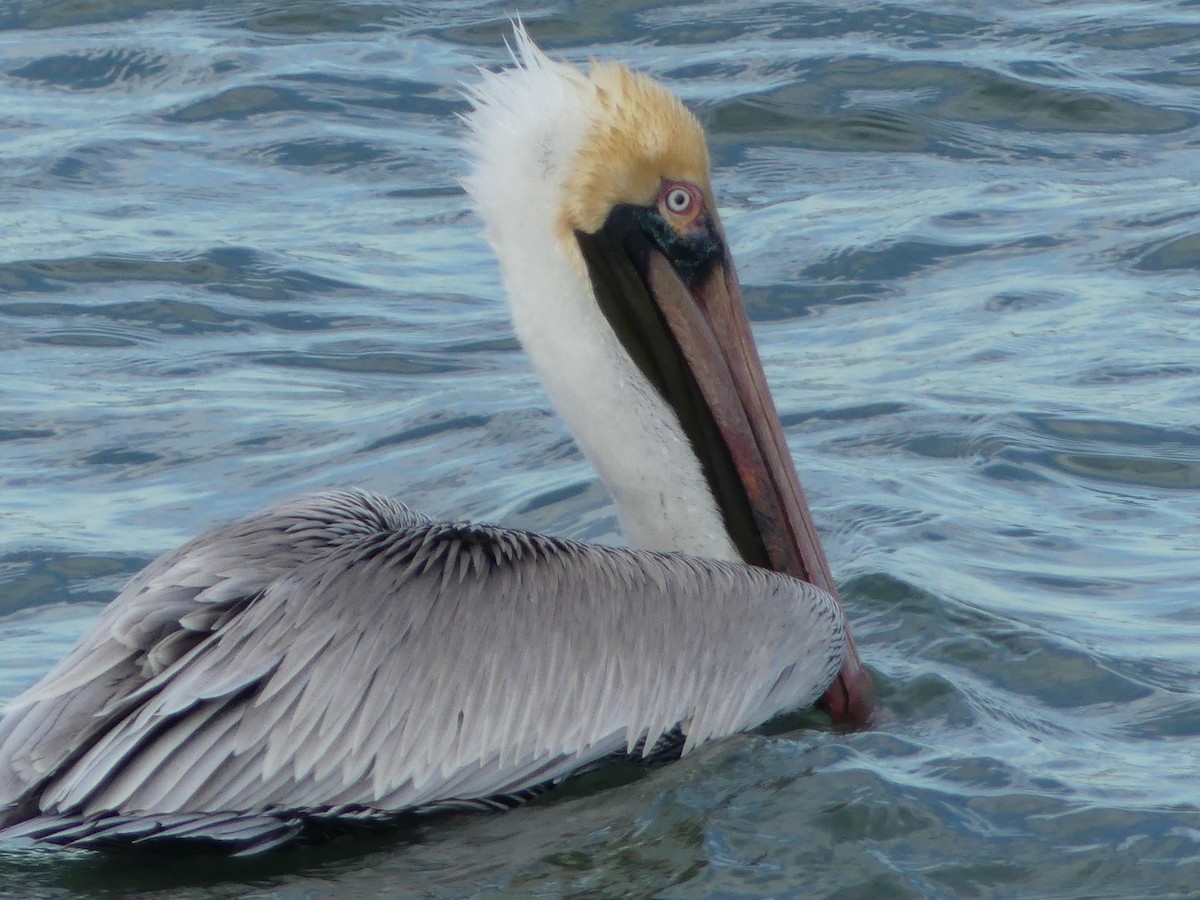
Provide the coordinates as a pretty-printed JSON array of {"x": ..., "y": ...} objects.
[{"x": 343, "y": 658}]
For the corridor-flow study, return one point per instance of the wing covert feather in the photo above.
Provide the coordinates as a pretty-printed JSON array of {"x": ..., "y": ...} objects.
[{"x": 172, "y": 606}]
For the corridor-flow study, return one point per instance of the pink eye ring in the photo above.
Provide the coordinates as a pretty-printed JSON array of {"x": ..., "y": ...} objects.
[{"x": 680, "y": 198}]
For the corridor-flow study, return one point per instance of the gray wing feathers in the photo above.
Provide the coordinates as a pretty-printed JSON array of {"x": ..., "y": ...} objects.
[
  {"x": 174, "y": 605},
  {"x": 405, "y": 666}
]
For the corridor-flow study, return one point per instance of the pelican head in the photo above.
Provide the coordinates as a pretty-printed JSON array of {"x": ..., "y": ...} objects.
[{"x": 596, "y": 194}]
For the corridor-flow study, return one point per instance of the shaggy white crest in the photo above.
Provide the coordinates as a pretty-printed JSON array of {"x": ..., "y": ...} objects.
[{"x": 528, "y": 128}]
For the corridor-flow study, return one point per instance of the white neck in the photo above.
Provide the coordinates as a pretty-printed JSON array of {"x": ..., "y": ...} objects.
[{"x": 528, "y": 125}]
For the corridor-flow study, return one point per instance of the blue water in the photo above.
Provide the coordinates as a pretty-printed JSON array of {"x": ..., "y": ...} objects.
[{"x": 235, "y": 266}]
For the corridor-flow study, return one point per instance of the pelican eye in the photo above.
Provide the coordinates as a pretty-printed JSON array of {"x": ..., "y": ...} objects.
[{"x": 678, "y": 200}]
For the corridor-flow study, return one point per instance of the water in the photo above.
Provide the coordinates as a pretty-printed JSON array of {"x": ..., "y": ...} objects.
[{"x": 235, "y": 266}]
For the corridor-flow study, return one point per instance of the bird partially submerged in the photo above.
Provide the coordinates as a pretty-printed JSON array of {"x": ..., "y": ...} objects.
[{"x": 342, "y": 657}]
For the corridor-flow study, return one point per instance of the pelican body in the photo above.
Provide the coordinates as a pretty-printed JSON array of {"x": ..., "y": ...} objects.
[{"x": 343, "y": 658}]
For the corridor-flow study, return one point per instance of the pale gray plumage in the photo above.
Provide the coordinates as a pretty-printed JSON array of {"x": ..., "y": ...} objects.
[{"x": 341, "y": 655}]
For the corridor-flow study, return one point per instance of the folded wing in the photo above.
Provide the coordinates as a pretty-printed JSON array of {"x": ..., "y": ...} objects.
[{"x": 342, "y": 656}]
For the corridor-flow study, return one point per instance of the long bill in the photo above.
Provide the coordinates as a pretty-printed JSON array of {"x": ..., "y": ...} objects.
[
  {"x": 695, "y": 344},
  {"x": 713, "y": 332}
]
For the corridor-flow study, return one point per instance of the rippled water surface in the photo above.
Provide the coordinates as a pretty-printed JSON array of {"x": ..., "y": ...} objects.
[{"x": 235, "y": 266}]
